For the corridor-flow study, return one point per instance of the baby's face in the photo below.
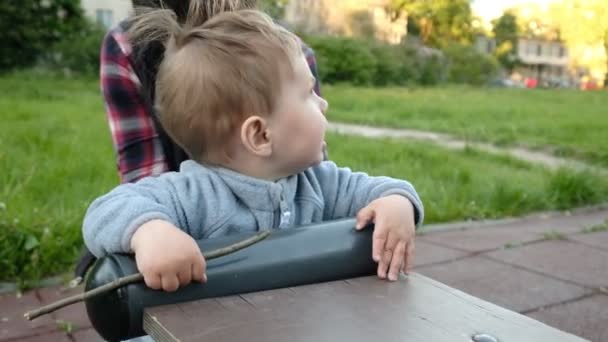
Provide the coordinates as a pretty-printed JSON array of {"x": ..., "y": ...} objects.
[{"x": 299, "y": 121}]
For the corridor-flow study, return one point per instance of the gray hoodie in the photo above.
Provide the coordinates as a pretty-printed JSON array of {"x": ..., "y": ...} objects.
[{"x": 208, "y": 202}]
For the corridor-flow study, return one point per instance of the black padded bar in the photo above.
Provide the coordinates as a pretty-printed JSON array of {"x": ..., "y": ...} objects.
[{"x": 317, "y": 253}]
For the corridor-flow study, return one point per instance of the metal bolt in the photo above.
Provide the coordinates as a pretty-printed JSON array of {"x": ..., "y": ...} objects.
[{"x": 484, "y": 338}]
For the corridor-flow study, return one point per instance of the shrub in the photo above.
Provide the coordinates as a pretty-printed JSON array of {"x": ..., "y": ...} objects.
[
  {"x": 28, "y": 28},
  {"x": 410, "y": 64},
  {"x": 365, "y": 62},
  {"x": 467, "y": 65},
  {"x": 388, "y": 64},
  {"x": 432, "y": 69},
  {"x": 343, "y": 60},
  {"x": 78, "y": 52}
]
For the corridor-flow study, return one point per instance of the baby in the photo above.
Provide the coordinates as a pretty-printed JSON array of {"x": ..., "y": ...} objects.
[{"x": 237, "y": 95}]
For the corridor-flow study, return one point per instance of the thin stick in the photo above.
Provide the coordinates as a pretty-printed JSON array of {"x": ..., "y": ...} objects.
[{"x": 138, "y": 277}]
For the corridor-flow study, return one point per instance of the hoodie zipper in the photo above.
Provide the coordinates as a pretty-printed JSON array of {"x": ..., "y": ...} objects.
[
  {"x": 284, "y": 212},
  {"x": 283, "y": 216}
]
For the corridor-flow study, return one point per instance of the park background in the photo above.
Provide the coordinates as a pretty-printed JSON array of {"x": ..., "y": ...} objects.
[{"x": 493, "y": 109}]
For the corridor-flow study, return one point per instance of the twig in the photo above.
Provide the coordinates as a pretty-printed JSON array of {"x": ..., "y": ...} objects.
[{"x": 138, "y": 277}]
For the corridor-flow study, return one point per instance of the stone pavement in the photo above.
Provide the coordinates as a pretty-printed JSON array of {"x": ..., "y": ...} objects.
[{"x": 543, "y": 266}]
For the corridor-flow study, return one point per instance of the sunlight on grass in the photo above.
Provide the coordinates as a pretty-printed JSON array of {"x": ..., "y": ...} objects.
[
  {"x": 469, "y": 184},
  {"x": 570, "y": 123}
]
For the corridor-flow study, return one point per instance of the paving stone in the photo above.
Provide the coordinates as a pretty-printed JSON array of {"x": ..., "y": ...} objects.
[
  {"x": 482, "y": 239},
  {"x": 561, "y": 259},
  {"x": 12, "y": 323},
  {"x": 88, "y": 335},
  {"x": 587, "y": 318},
  {"x": 504, "y": 285},
  {"x": 567, "y": 224},
  {"x": 74, "y": 314},
  {"x": 515, "y": 232},
  {"x": 598, "y": 240},
  {"x": 427, "y": 253},
  {"x": 54, "y": 337}
]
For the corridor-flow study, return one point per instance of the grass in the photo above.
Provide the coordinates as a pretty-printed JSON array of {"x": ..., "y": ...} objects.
[
  {"x": 569, "y": 123},
  {"x": 553, "y": 235},
  {"x": 57, "y": 157},
  {"x": 602, "y": 227},
  {"x": 469, "y": 184}
]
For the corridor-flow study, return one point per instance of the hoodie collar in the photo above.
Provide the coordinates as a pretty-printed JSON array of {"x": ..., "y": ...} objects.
[{"x": 255, "y": 193}]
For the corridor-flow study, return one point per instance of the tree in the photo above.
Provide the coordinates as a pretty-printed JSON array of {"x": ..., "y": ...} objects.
[
  {"x": 29, "y": 28},
  {"x": 437, "y": 22},
  {"x": 506, "y": 33},
  {"x": 274, "y": 8},
  {"x": 606, "y": 52},
  {"x": 535, "y": 22},
  {"x": 583, "y": 26}
]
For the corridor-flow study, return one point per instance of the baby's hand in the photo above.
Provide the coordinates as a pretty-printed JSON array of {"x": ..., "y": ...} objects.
[
  {"x": 393, "y": 239},
  {"x": 166, "y": 256}
]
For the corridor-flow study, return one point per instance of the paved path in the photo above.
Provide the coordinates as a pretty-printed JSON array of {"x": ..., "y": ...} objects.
[
  {"x": 453, "y": 143},
  {"x": 543, "y": 266}
]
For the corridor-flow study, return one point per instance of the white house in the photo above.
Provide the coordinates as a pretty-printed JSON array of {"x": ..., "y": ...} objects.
[
  {"x": 544, "y": 60},
  {"x": 107, "y": 12}
]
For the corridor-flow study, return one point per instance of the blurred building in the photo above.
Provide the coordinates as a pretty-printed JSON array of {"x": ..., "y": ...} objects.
[
  {"x": 367, "y": 18},
  {"x": 543, "y": 60},
  {"x": 547, "y": 61},
  {"x": 107, "y": 12},
  {"x": 344, "y": 17}
]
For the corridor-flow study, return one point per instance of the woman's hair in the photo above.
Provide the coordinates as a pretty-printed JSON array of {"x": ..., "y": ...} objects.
[
  {"x": 207, "y": 8},
  {"x": 216, "y": 74},
  {"x": 148, "y": 53}
]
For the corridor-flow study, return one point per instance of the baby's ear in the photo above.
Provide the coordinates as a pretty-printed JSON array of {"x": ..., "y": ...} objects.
[{"x": 255, "y": 136}]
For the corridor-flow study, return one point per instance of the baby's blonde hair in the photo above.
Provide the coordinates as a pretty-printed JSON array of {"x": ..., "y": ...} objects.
[{"x": 215, "y": 75}]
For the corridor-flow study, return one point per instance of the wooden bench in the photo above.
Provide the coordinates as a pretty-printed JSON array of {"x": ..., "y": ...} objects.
[{"x": 415, "y": 308}]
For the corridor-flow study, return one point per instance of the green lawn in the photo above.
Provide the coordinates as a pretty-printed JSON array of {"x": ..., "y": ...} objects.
[
  {"x": 57, "y": 156},
  {"x": 567, "y": 122},
  {"x": 469, "y": 184}
]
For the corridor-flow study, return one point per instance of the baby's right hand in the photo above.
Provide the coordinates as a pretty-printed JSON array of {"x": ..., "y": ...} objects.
[{"x": 166, "y": 256}]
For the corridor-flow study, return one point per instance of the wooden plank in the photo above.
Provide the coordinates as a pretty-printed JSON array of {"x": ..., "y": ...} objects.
[{"x": 415, "y": 308}]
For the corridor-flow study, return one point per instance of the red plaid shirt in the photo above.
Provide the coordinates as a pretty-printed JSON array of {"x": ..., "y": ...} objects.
[{"x": 136, "y": 141}]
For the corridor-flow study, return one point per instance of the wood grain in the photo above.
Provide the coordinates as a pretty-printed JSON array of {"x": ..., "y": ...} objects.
[{"x": 415, "y": 308}]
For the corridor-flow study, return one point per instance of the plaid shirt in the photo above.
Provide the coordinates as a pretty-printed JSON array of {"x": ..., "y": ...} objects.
[{"x": 136, "y": 141}]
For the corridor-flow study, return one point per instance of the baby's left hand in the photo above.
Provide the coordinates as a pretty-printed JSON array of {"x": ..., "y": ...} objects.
[{"x": 393, "y": 238}]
